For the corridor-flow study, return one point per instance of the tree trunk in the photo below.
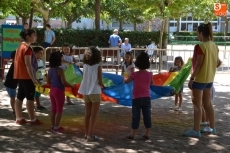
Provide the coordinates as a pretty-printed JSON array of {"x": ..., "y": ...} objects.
[
  {"x": 97, "y": 14},
  {"x": 166, "y": 30},
  {"x": 24, "y": 20},
  {"x": 150, "y": 26},
  {"x": 226, "y": 26},
  {"x": 31, "y": 15},
  {"x": 69, "y": 23},
  {"x": 121, "y": 23},
  {"x": 178, "y": 26},
  {"x": 135, "y": 26},
  {"x": 17, "y": 20},
  {"x": 45, "y": 22},
  {"x": 161, "y": 44}
]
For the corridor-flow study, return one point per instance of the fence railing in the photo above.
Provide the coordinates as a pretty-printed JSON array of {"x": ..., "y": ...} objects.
[
  {"x": 191, "y": 40},
  {"x": 161, "y": 60}
]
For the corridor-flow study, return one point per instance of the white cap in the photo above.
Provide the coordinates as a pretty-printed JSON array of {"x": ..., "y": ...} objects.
[
  {"x": 126, "y": 38},
  {"x": 115, "y": 30}
]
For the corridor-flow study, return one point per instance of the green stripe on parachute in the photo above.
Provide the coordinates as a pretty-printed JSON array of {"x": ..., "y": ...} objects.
[
  {"x": 72, "y": 77},
  {"x": 181, "y": 77}
]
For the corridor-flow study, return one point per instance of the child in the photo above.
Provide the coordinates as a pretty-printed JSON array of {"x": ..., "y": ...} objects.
[
  {"x": 90, "y": 88},
  {"x": 178, "y": 64},
  {"x": 58, "y": 83},
  {"x": 67, "y": 59},
  {"x": 39, "y": 75},
  {"x": 141, "y": 95},
  {"x": 11, "y": 83},
  {"x": 128, "y": 65}
]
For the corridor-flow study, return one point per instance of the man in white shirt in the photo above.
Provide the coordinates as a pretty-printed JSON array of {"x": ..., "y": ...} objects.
[{"x": 125, "y": 46}]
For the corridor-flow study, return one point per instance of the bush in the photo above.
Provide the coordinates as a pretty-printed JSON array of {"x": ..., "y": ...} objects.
[
  {"x": 192, "y": 36},
  {"x": 84, "y": 38}
]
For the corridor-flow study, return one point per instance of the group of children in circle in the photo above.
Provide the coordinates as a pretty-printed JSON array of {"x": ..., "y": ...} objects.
[{"x": 91, "y": 86}]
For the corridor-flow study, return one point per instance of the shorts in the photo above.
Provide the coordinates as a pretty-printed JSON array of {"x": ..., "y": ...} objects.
[
  {"x": 92, "y": 98},
  {"x": 11, "y": 92},
  {"x": 26, "y": 89},
  {"x": 37, "y": 94},
  {"x": 201, "y": 86}
]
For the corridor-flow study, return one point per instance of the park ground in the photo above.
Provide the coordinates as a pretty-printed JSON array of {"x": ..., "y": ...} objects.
[{"x": 114, "y": 124}]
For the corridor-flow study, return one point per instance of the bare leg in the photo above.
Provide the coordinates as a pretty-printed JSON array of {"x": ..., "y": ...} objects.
[
  {"x": 133, "y": 132},
  {"x": 93, "y": 117},
  {"x": 197, "y": 101},
  {"x": 209, "y": 107},
  {"x": 88, "y": 107},
  {"x": 52, "y": 118},
  {"x": 12, "y": 103},
  {"x": 203, "y": 114},
  {"x": 18, "y": 108},
  {"x": 147, "y": 131},
  {"x": 176, "y": 99},
  {"x": 180, "y": 98},
  {"x": 30, "y": 109},
  {"x": 37, "y": 100},
  {"x": 57, "y": 119}
]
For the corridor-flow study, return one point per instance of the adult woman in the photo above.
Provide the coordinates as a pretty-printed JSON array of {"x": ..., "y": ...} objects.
[
  {"x": 205, "y": 61},
  {"x": 25, "y": 66}
]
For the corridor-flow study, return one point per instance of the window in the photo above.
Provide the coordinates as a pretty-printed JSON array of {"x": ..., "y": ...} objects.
[
  {"x": 189, "y": 18},
  {"x": 171, "y": 24},
  {"x": 183, "y": 27},
  {"x": 195, "y": 25}
]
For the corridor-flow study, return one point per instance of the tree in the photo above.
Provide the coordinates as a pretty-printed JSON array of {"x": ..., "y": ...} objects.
[
  {"x": 45, "y": 7},
  {"x": 97, "y": 14},
  {"x": 18, "y": 8}
]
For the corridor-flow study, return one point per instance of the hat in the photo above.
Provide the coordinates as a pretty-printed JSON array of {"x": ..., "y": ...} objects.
[
  {"x": 115, "y": 30},
  {"x": 126, "y": 38}
]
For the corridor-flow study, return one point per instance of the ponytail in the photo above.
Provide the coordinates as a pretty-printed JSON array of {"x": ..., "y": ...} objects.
[
  {"x": 206, "y": 30},
  {"x": 27, "y": 32},
  {"x": 210, "y": 31}
]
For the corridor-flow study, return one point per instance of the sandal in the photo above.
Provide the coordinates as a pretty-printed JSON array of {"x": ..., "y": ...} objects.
[
  {"x": 145, "y": 137},
  {"x": 70, "y": 103},
  {"x": 129, "y": 137}
]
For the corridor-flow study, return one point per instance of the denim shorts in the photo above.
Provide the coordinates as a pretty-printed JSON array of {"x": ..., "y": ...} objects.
[
  {"x": 201, "y": 86},
  {"x": 11, "y": 92}
]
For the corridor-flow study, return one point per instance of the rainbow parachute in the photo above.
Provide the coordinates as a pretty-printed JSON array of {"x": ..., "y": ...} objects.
[{"x": 164, "y": 84}]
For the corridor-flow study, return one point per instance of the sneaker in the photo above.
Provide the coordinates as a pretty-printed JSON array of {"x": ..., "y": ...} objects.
[
  {"x": 21, "y": 122},
  {"x": 59, "y": 130},
  {"x": 93, "y": 138},
  {"x": 36, "y": 122},
  {"x": 179, "y": 109},
  {"x": 203, "y": 123},
  {"x": 129, "y": 137},
  {"x": 208, "y": 130},
  {"x": 192, "y": 133},
  {"x": 174, "y": 107}
]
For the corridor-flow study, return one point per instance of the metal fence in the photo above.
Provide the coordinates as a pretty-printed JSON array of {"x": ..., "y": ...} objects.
[{"x": 161, "y": 61}]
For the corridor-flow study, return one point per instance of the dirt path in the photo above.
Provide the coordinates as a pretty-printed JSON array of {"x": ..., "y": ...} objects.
[{"x": 114, "y": 124}]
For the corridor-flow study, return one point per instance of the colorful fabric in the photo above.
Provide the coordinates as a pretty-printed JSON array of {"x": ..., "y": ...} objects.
[{"x": 164, "y": 84}]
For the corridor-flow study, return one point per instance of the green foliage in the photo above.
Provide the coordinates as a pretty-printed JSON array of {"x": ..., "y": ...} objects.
[
  {"x": 85, "y": 38},
  {"x": 192, "y": 36}
]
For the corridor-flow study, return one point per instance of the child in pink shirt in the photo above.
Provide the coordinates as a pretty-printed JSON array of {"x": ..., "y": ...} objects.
[{"x": 141, "y": 95}]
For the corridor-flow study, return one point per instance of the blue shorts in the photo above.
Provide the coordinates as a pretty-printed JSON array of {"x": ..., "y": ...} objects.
[
  {"x": 201, "y": 86},
  {"x": 37, "y": 94},
  {"x": 11, "y": 92}
]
